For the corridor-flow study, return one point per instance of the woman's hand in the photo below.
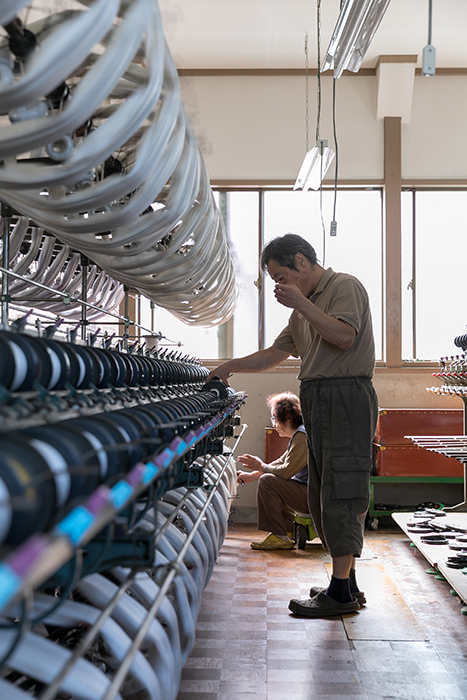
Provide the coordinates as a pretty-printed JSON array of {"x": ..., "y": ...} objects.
[{"x": 252, "y": 462}]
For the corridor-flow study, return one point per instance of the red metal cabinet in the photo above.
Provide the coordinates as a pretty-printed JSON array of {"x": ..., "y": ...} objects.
[
  {"x": 395, "y": 423},
  {"x": 395, "y": 455},
  {"x": 406, "y": 460},
  {"x": 274, "y": 445}
]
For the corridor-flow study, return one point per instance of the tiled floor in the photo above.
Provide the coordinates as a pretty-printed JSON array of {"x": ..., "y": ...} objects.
[{"x": 409, "y": 642}]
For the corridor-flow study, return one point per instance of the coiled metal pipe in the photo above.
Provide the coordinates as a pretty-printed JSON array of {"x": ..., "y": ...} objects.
[{"x": 116, "y": 173}]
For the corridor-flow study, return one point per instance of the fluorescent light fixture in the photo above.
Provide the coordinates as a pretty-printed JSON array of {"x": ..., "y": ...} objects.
[
  {"x": 356, "y": 26},
  {"x": 314, "y": 167}
]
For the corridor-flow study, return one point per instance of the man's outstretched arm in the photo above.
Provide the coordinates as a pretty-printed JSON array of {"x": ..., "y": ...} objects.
[{"x": 257, "y": 362}]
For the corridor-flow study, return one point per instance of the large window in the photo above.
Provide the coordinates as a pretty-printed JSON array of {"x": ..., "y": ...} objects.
[
  {"x": 191, "y": 340},
  {"x": 434, "y": 247},
  {"x": 434, "y": 244},
  {"x": 242, "y": 229},
  {"x": 253, "y": 218},
  {"x": 356, "y": 249}
]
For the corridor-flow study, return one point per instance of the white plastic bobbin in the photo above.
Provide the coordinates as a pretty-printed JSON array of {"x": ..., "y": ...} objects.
[
  {"x": 6, "y": 511},
  {"x": 60, "y": 149},
  {"x": 123, "y": 432},
  {"x": 56, "y": 368},
  {"x": 58, "y": 467},
  {"x": 82, "y": 369},
  {"x": 21, "y": 365},
  {"x": 101, "y": 453}
]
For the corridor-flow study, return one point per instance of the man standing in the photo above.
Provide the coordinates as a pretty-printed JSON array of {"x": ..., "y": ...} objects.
[{"x": 330, "y": 330}]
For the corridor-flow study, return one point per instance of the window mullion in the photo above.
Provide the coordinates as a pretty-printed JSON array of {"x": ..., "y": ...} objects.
[{"x": 260, "y": 285}]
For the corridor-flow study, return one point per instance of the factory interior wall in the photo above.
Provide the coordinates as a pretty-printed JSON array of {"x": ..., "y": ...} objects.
[{"x": 253, "y": 127}]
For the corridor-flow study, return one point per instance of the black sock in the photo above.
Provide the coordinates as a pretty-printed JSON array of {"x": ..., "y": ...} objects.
[
  {"x": 353, "y": 581},
  {"x": 339, "y": 589}
]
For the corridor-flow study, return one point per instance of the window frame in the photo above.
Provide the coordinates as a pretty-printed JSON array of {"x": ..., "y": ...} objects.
[
  {"x": 389, "y": 262},
  {"x": 413, "y": 189},
  {"x": 261, "y": 190}
]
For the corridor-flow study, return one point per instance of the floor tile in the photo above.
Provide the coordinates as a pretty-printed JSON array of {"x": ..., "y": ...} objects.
[{"x": 250, "y": 647}]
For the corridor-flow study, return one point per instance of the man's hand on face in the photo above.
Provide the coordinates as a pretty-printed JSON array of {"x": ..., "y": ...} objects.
[{"x": 289, "y": 295}]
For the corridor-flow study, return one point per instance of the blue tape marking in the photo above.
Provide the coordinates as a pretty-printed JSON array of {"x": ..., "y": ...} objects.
[
  {"x": 191, "y": 439},
  {"x": 165, "y": 457},
  {"x": 150, "y": 471},
  {"x": 75, "y": 524},
  {"x": 182, "y": 446},
  {"x": 120, "y": 493},
  {"x": 9, "y": 584}
]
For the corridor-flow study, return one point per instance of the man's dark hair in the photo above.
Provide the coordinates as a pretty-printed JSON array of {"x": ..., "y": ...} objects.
[
  {"x": 285, "y": 407},
  {"x": 283, "y": 250}
]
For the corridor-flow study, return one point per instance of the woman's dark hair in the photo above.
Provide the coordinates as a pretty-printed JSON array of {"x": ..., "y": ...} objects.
[
  {"x": 285, "y": 408},
  {"x": 283, "y": 250}
]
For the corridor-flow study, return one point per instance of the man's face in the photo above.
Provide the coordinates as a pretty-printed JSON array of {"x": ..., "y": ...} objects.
[{"x": 301, "y": 277}]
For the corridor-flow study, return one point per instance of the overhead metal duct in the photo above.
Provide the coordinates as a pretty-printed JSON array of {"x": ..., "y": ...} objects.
[{"x": 97, "y": 149}]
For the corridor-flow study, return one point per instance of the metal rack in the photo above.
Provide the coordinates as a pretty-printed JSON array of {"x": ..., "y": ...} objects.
[
  {"x": 164, "y": 523},
  {"x": 38, "y": 558},
  {"x": 451, "y": 446},
  {"x": 454, "y": 383},
  {"x": 9, "y": 302},
  {"x": 436, "y": 555},
  {"x": 120, "y": 527},
  {"x": 161, "y": 524}
]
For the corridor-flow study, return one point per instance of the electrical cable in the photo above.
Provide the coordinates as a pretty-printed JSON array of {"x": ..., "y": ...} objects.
[
  {"x": 336, "y": 149},
  {"x": 430, "y": 15},
  {"x": 318, "y": 119},
  {"x": 318, "y": 40}
]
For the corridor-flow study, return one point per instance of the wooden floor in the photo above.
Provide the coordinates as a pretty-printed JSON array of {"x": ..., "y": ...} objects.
[{"x": 409, "y": 642}]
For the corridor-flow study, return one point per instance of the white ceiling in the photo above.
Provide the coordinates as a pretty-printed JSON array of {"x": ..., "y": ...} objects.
[{"x": 270, "y": 33}]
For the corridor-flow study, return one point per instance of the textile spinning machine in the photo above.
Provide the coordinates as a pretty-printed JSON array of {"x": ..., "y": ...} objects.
[
  {"x": 116, "y": 460},
  {"x": 116, "y": 478}
]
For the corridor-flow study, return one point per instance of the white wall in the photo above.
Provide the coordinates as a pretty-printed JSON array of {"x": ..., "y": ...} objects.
[
  {"x": 434, "y": 144},
  {"x": 253, "y": 127}
]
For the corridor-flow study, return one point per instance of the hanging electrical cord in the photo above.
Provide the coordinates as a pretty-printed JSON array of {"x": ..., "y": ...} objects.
[
  {"x": 307, "y": 96},
  {"x": 334, "y": 129},
  {"x": 318, "y": 86},
  {"x": 318, "y": 120}
]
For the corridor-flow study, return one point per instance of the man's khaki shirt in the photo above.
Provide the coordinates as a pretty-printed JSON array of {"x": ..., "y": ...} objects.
[{"x": 345, "y": 298}]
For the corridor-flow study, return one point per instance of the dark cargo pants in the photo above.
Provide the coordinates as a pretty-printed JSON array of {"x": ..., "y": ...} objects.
[{"x": 340, "y": 417}]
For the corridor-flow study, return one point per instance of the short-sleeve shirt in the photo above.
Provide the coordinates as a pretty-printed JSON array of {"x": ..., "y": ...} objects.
[{"x": 344, "y": 297}]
